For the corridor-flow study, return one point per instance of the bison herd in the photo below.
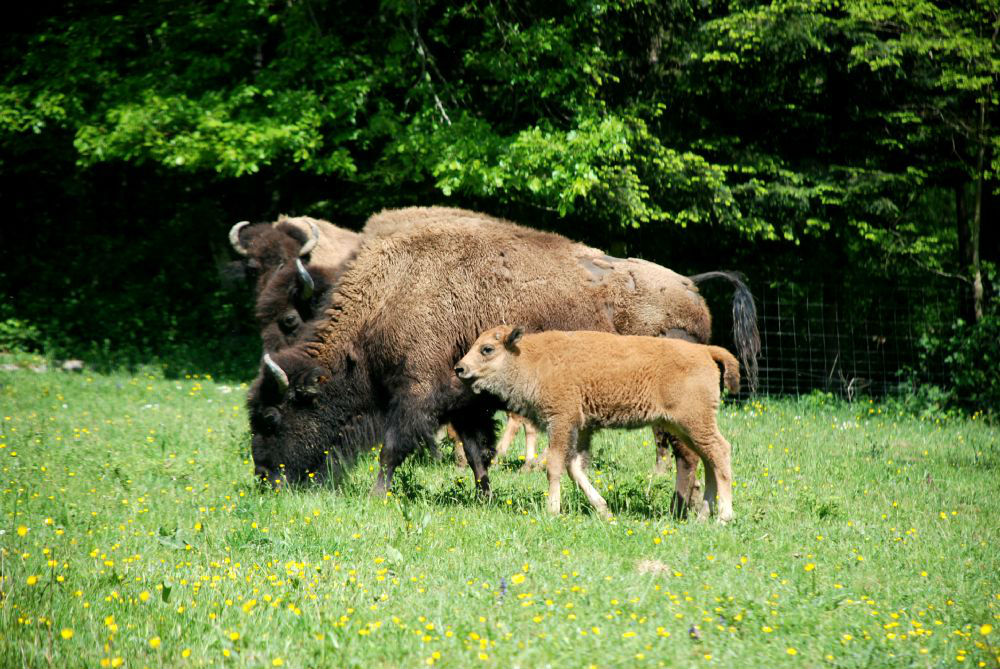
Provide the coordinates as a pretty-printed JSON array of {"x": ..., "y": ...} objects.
[{"x": 362, "y": 333}]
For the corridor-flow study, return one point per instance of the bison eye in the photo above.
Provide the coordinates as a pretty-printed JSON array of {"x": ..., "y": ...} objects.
[
  {"x": 486, "y": 350},
  {"x": 290, "y": 321}
]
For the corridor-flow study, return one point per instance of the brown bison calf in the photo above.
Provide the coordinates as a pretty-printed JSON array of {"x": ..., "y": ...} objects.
[{"x": 576, "y": 382}]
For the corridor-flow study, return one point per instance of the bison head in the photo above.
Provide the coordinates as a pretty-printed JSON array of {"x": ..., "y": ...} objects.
[
  {"x": 293, "y": 297},
  {"x": 303, "y": 419},
  {"x": 265, "y": 247}
]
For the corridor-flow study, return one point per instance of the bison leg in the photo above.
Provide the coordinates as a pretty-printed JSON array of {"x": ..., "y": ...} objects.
[
  {"x": 477, "y": 433},
  {"x": 687, "y": 470},
  {"x": 404, "y": 432},
  {"x": 578, "y": 473}
]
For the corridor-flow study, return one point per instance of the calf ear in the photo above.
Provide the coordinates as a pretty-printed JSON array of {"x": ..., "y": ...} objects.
[{"x": 510, "y": 341}]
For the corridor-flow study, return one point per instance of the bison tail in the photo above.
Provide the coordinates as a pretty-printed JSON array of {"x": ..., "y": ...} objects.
[
  {"x": 730, "y": 367},
  {"x": 745, "y": 333}
]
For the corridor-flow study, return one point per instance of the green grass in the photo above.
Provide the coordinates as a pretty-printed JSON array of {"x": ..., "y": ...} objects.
[{"x": 131, "y": 521}]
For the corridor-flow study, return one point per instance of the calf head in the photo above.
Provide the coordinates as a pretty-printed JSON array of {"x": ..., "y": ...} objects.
[
  {"x": 488, "y": 356},
  {"x": 298, "y": 419}
]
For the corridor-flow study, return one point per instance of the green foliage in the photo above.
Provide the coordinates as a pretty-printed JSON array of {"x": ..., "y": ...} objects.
[
  {"x": 18, "y": 335},
  {"x": 747, "y": 130},
  {"x": 971, "y": 354},
  {"x": 626, "y": 112}
]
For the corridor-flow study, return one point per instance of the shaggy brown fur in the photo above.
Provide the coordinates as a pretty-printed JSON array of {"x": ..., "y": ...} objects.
[
  {"x": 576, "y": 382},
  {"x": 379, "y": 368},
  {"x": 336, "y": 247}
]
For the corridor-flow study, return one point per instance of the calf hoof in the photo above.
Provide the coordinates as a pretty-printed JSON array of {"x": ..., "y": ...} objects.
[
  {"x": 702, "y": 511},
  {"x": 531, "y": 466}
]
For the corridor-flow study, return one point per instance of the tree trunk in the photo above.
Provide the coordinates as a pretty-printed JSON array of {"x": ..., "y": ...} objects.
[
  {"x": 977, "y": 216},
  {"x": 966, "y": 309}
]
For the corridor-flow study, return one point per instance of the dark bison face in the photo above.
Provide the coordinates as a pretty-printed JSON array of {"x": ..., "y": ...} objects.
[
  {"x": 285, "y": 420},
  {"x": 293, "y": 297},
  {"x": 267, "y": 247},
  {"x": 301, "y": 419}
]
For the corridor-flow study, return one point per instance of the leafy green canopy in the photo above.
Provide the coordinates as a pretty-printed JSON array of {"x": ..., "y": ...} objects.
[{"x": 775, "y": 120}]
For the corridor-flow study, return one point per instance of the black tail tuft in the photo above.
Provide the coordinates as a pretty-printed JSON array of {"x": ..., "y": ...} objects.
[{"x": 745, "y": 333}]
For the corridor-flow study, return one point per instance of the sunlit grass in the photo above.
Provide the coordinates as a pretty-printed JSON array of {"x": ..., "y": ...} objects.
[{"x": 133, "y": 535}]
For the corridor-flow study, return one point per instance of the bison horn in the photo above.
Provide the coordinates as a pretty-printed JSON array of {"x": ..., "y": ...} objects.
[
  {"x": 311, "y": 244},
  {"x": 277, "y": 372},
  {"x": 305, "y": 279},
  {"x": 234, "y": 238}
]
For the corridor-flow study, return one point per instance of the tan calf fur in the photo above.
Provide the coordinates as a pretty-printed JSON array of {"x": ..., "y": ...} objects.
[{"x": 576, "y": 382}]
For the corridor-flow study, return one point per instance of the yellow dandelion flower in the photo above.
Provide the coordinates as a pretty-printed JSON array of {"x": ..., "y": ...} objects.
[
  {"x": 144, "y": 596},
  {"x": 235, "y": 636},
  {"x": 791, "y": 651},
  {"x": 21, "y": 530},
  {"x": 31, "y": 580},
  {"x": 186, "y": 652},
  {"x": 517, "y": 579},
  {"x": 154, "y": 643},
  {"x": 809, "y": 566},
  {"x": 277, "y": 662},
  {"x": 986, "y": 629},
  {"x": 66, "y": 633}
]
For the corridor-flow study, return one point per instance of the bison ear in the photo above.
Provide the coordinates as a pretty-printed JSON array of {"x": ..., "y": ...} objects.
[{"x": 510, "y": 341}]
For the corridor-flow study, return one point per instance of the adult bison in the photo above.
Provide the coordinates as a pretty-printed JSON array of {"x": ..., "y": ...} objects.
[
  {"x": 379, "y": 366},
  {"x": 296, "y": 261}
]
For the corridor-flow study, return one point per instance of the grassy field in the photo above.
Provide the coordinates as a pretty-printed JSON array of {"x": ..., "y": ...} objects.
[{"x": 133, "y": 535}]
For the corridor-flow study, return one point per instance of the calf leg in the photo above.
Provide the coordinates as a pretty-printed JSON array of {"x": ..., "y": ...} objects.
[
  {"x": 686, "y": 461},
  {"x": 532, "y": 460},
  {"x": 560, "y": 442},
  {"x": 509, "y": 432},
  {"x": 461, "y": 462},
  {"x": 577, "y": 472},
  {"x": 716, "y": 453}
]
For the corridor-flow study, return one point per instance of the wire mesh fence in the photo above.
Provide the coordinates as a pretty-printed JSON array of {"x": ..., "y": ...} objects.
[{"x": 861, "y": 341}]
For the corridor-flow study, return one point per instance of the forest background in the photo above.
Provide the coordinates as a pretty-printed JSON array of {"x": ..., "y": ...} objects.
[{"x": 843, "y": 147}]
